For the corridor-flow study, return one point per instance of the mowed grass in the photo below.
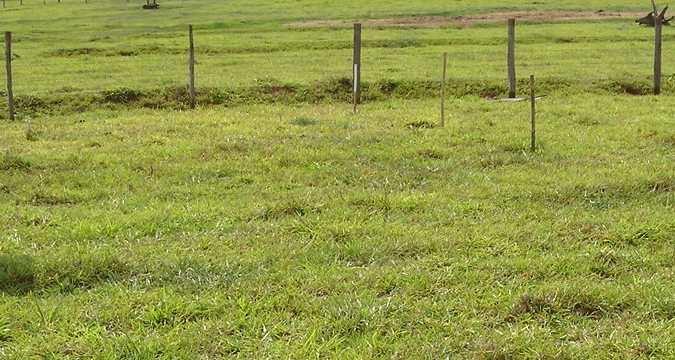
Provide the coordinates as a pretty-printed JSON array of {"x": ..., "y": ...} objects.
[
  {"x": 284, "y": 226},
  {"x": 76, "y": 48},
  {"x": 307, "y": 231}
]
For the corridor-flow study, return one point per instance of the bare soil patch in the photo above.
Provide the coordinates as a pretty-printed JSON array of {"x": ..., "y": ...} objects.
[{"x": 469, "y": 20}]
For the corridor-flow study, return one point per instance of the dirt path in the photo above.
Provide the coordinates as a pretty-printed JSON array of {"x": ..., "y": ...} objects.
[{"x": 466, "y": 21}]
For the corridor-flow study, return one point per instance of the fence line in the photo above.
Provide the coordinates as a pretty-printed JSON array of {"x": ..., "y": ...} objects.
[{"x": 357, "y": 68}]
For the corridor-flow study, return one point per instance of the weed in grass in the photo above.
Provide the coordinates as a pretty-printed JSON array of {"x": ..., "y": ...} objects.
[
  {"x": 415, "y": 125},
  {"x": 5, "y": 330},
  {"x": 30, "y": 133}
]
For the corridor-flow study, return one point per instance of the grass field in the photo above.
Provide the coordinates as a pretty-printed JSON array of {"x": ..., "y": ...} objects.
[{"x": 272, "y": 222}]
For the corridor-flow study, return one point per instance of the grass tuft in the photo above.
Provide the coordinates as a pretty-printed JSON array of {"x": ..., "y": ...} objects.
[
  {"x": 42, "y": 198},
  {"x": 423, "y": 124},
  {"x": 304, "y": 121},
  {"x": 568, "y": 303},
  {"x": 82, "y": 272},
  {"x": 11, "y": 161},
  {"x": 5, "y": 330},
  {"x": 289, "y": 209},
  {"x": 432, "y": 154},
  {"x": 16, "y": 272},
  {"x": 172, "y": 312}
]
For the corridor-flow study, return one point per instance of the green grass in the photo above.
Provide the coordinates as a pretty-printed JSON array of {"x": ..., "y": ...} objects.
[
  {"x": 301, "y": 231},
  {"x": 272, "y": 222},
  {"x": 73, "y": 48}
]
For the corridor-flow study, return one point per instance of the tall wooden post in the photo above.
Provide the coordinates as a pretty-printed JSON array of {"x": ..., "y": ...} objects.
[
  {"x": 357, "y": 65},
  {"x": 191, "y": 70},
  {"x": 8, "y": 68},
  {"x": 511, "y": 58},
  {"x": 533, "y": 112},
  {"x": 658, "y": 27},
  {"x": 443, "y": 81}
]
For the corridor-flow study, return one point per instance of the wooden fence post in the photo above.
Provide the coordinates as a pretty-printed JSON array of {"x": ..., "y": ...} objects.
[
  {"x": 443, "y": 81},
  {"x": 8, "y": 67},
  {"x": 658, "y": 26},
  {"x": 511, "y": 58},
  {"x": 191, "y": 70},
  {"x": 357, "y": 66},
  {"x": 533, "y": 110}
]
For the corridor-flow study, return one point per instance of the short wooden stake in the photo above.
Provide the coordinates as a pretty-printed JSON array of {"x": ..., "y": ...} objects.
[
  {"x": 191, "y": 70},
  {"x": 511, "y": 58},
  {"x": 357, "y": 66},
  {"x": 8, "y": 68},
  {"x": 443, "y": 81},
  {"x": 533, "y": 112},
  {"x": 658, "y": 26}
]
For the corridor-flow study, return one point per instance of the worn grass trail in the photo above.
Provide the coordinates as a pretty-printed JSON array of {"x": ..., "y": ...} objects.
[{"x": 302, "y": 231}]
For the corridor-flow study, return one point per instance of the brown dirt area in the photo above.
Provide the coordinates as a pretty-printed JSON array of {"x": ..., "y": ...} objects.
[{"x": 469, "y": 20}]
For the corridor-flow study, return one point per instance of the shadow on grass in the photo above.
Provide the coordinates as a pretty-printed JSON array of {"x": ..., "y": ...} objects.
[{"x": 17, "y": 274}]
